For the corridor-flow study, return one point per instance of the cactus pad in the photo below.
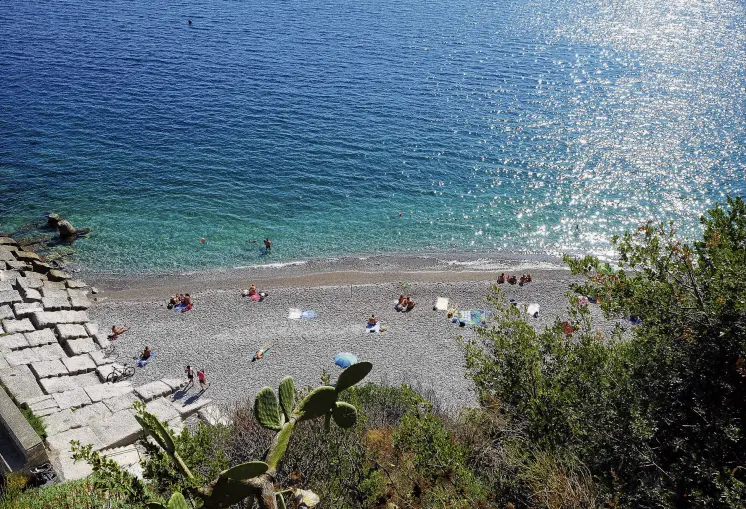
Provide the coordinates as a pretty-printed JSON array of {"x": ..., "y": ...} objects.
[
  {"x": 245, "y": 470},
  {"x": 317, "y": 403},
  {"x": 353, "y": 375},
  {"x": 345, "y": 415},
  {"x": 287, "y": 396},
  {"x": 225, "y": 492},
  {"x": 158, "y": 433},
  {"x": 177, "y": 501},
  {"x": 267, "y": 409}
]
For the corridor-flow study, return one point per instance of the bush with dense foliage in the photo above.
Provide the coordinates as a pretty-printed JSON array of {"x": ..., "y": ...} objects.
[{"x": 653, "y": 418}]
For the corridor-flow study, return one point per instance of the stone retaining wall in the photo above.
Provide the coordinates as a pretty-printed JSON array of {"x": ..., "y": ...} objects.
[{"x": 51, "y": 361}]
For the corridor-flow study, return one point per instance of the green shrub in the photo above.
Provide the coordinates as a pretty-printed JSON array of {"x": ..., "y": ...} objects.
[
  {"x": 67, "y": 495},
  {"x": 654, "y": 418}
]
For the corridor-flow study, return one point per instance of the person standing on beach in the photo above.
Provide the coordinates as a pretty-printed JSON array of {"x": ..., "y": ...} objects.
[
  {"x": 190, "y": 375},
  {"x": 202, "y": 379}
]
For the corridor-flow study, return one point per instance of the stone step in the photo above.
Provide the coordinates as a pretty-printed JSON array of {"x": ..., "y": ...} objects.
[
  {"x": 122, "y": 402},
  {"x": 103, "y": 370},
  {"x": 74, "y": 398},
  {"x": 59, "y": 422},
  {"x": 9, "y": 297},
  {"x": 127, "y": 457},
  {"x": 6, "y": 312},
  {"x": 120, "y": 428},
  {"x": 49, "y": 352},
  {"x": 90, "y": 414},
  {"x": 68, "y": 383},
  {"x": 212, "y": 416},
  {"x": 153, "y": 390},
  {"x": 41, "y": 337},
  {"x": 70, "y": 331},
  {"x": 25, "y": 309},
  {"x": 79, "y": 364},
  {"x": 19, "y": 357},
  {"x": 30, "y": 294},
  {"x": 188, "y": 406},
  {"x": 99, "y": 391},
  {"x": 13, "y": 342},
  {"x": 52, "y": 304},
  {"x": 18, "y": 325},
  {"x": 21, "y": 383},
  {"x": 43, "y": 319},
  {"x": 162, "y": 409},
  {"x": 46, "y": 369},
  {"x": 80, "y": 346},
  {"x": 99, "y": 358}
]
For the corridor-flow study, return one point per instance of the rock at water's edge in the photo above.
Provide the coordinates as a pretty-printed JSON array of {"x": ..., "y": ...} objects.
[{"x": 66, "y": 229}]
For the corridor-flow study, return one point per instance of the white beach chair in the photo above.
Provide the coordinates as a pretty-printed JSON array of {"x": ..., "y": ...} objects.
[{"x": 294, "y": 314}]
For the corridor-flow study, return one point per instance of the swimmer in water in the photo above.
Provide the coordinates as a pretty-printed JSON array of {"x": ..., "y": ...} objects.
[{"x": 268, "y": 245}]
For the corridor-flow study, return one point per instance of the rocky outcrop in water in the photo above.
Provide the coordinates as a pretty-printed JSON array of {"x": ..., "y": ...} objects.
[
  {"x": 51, "y": 237},
  {"x": 66, "y": 229}
]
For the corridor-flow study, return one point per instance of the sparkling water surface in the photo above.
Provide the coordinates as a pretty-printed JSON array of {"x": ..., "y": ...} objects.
[{"x": 515, "y": 126}]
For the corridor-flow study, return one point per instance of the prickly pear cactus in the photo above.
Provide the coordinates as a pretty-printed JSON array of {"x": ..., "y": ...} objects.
[
  {"x": 287, "y": 396},
  {"x": 344, "y": 414},
  {"x": 245, "y": 470},
  {"x": 267, "y": 409},
  {"x": 317, "y": 403},
  {"x": 352, "y": 375}
]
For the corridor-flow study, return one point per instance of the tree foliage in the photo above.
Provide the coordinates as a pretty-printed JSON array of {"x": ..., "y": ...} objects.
[{"x": 655, "y": 415}]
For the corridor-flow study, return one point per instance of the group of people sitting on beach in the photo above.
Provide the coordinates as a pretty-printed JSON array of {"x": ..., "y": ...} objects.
[
  {"x": 180, "y": 302},
  {"x": 253, "y": 293},
  {"x": 525, "y": 278},
  {"x": 405, "y": 303}
]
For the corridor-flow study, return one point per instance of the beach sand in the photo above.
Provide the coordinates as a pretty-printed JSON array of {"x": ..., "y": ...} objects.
[{"x": 224, "y": 329}]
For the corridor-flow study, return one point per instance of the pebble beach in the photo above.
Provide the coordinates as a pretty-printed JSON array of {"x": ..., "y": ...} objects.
[{"x": 224, "y": 329}]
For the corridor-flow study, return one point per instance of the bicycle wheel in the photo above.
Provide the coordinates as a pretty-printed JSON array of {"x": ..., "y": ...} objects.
[
  {"x": 112, "y": 377},
  {"x": 129, "y": 371}
]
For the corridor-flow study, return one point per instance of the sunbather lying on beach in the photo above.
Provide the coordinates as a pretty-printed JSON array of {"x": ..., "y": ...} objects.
[
  {"x": 116, "y": 331},
  {"x": 512, "y": 280},
  {"x": 501, "y": 278},
  {"x": 260, "y": 353}
]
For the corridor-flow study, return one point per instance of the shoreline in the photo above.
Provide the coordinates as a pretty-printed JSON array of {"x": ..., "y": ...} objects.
[{"x": 339, "y": 271}]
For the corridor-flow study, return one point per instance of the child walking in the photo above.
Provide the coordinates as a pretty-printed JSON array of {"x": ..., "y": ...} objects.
[{"x": 202, "y": 379}]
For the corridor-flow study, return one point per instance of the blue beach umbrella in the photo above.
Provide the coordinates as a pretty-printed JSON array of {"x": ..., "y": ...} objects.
[{"x": 344, "y": 359}]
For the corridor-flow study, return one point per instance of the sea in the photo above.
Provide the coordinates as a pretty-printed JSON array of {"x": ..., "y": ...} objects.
[{"x": 185, "y": 133}]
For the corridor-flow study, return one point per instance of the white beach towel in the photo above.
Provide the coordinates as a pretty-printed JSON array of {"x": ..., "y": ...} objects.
[
  {"x": 441, "y": 304},
  {"x": 294, "y": 314},
  {"x": 533, "y": 309}
]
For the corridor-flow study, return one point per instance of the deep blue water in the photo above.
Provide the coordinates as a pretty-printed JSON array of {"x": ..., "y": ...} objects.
[{"x": 516, "y": 125}]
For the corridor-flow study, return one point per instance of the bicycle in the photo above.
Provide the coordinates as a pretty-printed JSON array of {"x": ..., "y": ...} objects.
[{"x": 120, "y": 373}]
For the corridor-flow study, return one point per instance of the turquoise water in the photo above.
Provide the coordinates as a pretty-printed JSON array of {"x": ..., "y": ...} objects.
[{"x": 523, "y": 126}]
